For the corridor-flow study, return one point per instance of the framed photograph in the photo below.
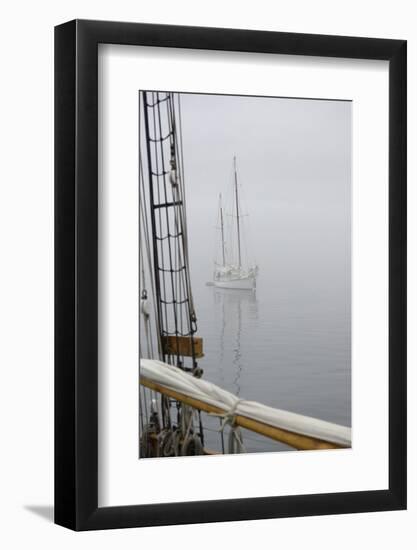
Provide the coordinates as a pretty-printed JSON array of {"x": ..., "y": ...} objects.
[{"x": 230, "y": 275}]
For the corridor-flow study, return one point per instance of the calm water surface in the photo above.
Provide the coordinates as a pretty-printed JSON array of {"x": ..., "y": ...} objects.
[{"x": 284, "y": 345}]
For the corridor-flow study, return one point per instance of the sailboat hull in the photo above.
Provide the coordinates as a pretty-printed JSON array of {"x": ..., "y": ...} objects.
[{"x": 244, "y": 283}]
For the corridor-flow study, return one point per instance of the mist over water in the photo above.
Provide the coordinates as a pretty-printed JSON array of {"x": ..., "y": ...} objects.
[{"x": 287, "y": 344}]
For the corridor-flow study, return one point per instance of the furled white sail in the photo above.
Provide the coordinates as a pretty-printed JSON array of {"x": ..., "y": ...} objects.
[{"x": 176, "y": 379}]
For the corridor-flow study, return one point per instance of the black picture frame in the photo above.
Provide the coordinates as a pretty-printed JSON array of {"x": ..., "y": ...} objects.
[{"x": 76, "y": 272}]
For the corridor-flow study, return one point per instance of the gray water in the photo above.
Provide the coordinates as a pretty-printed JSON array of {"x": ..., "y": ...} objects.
[{"x": 282, "y": 345}]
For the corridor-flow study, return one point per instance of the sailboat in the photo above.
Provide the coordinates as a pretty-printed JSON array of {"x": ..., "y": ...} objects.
[{"x": 232, "y": 274}]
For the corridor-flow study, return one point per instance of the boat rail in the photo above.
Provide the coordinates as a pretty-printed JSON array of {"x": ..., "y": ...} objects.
[{"x": 327, "y": 435}]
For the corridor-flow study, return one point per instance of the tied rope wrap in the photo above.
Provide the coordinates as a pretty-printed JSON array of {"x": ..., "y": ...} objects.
[{"x": 228, "y": 418}]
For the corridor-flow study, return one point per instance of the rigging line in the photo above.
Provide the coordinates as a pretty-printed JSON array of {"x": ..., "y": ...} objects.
[
  {"x": 142, "y": 282},
  {"x": 143, "y": 288},
  {"x": 144, "y": 402},
  {"x": 173, "y": 247},
  {"x": 180, "y": 161},
  {"x": 170, "y": 235},
  {"x": 181, "y": 286},
  {"x": 152, "y": 105},
  {"x": 140, "y": 412},
  {"x": 155, "y": 183},
  {"x": 180, "y": 219},
  {"x": 179, "y": 333},
  {"x": 146, "y": 321},
  {"x": 153, "y": 220},
  {"x": 249, "y": 233},
  {"x": 222, "y": 231},
  {"x": 176, "y": 309},
  {"x": 178, "y": 280},
  {"x": 174, "y": 270},
  {"x": 245, "y": 227},
  {"x": 166, "y": 211},
  {"x": 164, "y": 310},
  {"x": 181, "y": 152},
  {"x": 237, "y": 215},
  {"x": 141, "y": 285},
  {"x": 165, "y": 414},
  {"x": 176, "y": 201},
  {"x": 188, "y": 278},
  {"x": 179, "y": 223},
  {"x": 144, "y": 218},
  {"x": 164, "y": 138},
  {"x": 162, "y": 223},
  {"x": 158, "y": 174},
  {"x": 174, "y": 302},
  {"x": 214, "y": 253},
  {"x": 142, "y": 300},
  {"x": 161, "y": 280},
  {"x": 146, "y": 233}
]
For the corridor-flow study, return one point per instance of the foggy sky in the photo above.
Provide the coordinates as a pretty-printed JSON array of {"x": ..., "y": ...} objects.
[
  {"x": 291, "y": 150},
  {"x": 294, "y": 169}
]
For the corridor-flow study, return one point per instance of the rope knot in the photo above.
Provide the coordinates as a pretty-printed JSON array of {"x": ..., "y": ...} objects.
[{"x": 228, "y": 418}]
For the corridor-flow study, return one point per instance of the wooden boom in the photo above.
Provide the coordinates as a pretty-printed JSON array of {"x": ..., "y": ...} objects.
[{"x": 295, "y": 440}]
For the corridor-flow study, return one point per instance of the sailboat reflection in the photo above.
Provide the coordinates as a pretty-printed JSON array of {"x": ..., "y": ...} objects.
[{"x": 237, "y": 311}]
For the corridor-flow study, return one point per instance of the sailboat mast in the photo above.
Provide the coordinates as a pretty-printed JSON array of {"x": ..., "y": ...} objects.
[
  {"x": 222, "y": 229},
  {"x": 237, "y": 216}
]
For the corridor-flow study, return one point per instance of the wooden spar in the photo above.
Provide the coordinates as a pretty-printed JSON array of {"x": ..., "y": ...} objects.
[
  {"x": 183, "y": 345},
  {"x": 295, "y": 440}
]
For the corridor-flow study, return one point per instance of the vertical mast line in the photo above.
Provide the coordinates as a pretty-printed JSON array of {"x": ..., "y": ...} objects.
[
  {"x": 237, "y": 215},
  {"x": 181, "y": 219},
  {"x": 153, "y": 221},
  {"x": 180, "y": 161},
  {"x": 222, "y": 230},
  {"x": 180, "y": 293},
  {"x": 164, "y": 306},
  {"x": 144, "y": 236},
  {"x": 174, "y": 305},
  {"x": 160, "y": 274},
  {"x": 175, "y": 199}
]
